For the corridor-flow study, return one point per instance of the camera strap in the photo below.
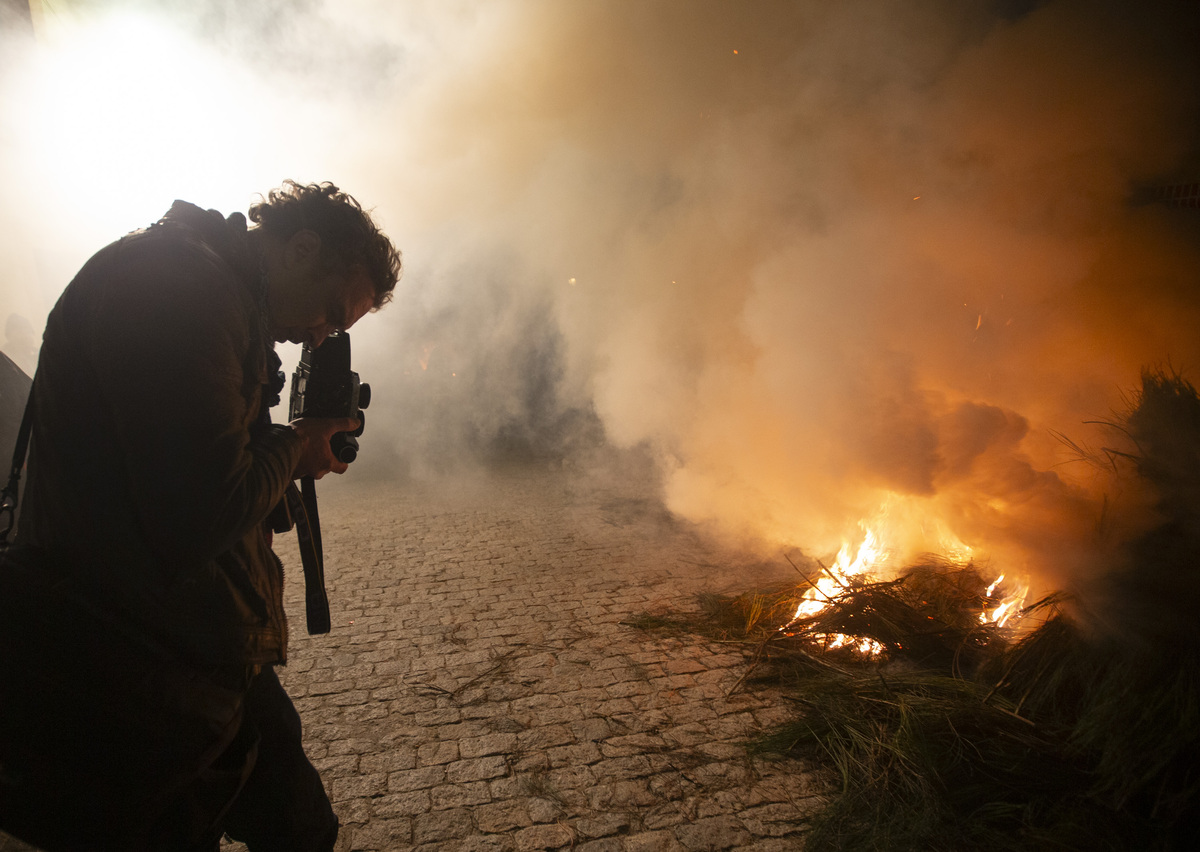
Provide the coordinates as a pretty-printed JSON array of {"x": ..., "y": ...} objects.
[
  {"x": 8, "y": 497},
  {"x": 302, "y": 504}
]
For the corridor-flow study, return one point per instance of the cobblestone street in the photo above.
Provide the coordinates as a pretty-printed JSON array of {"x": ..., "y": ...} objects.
[{"x": 479, "y": 691}]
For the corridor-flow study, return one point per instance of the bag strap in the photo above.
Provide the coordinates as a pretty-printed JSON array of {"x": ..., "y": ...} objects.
[{"x": 8, "y": 497}]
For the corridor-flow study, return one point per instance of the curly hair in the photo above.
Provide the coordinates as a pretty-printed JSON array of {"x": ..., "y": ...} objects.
[{"x": 349, "y": 238}]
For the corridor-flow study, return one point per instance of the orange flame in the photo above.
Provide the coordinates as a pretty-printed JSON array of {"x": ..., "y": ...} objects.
[{"x": 876, "y": 554}]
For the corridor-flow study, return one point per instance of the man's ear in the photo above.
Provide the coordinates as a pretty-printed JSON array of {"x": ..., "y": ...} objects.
[{"x": 302, "y": 249}]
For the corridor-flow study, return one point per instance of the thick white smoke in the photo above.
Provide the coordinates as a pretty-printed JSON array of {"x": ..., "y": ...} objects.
[{"x": 822, "y": 258}]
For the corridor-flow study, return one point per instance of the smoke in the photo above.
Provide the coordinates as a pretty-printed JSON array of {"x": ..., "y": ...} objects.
[{"x": 827, "y": 261}]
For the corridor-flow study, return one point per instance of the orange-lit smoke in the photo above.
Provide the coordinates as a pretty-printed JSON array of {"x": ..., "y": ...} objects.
[
  {"x": 821, "y": 257},
  {"x": 876, "y": 256}
]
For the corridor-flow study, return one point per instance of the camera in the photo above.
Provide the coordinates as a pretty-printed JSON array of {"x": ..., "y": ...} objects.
[{"x": 325, "y": 386}]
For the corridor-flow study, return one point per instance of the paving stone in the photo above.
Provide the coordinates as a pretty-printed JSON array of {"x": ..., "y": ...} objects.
[
  {"x": 774, "y": 820},
  {"x": 416, "y": 779},
  {"x": 664, "y": 816},
  {"x": 460, "y": 795},
  {"x": 722, "y": 751},
  {"x": 442, "y": 826},
  {"x": 580, "y": 754},
  {"x": 358, "y": 786},
  {"x": 782, "y": 844},
  {"x": 354, "y": 811},
  {"x": 432, "y": 754},
  {"x": 688, "y": 735},
  {"x": 481, "y": 843},
  {"x": 544, "y": 737},
  {"x": 653, "y": 841},
  {"x": 571, "y": 777},
  {"x": 340, "y": 765},
  {"x": 544, "y": 810},
  {"x": 591, "y": 729},
  {"x": 502, "y": 816},
  {"x": 631, "y": 744},
  {"x": 480, "y": 769},
  {"x": 628, "y": 688},
  {"x": 603, "y": 825},
  {"x": 539, "y": 837},
  {"x": 382, "y": 835},
  {"x": 393, "y": 760},
  {"x": 401, "y": 804},
  {"x": 636, "y": 766},
  {"x": 711, "y": 835},
  {"x": 489, "y": 744},
  {"x": 607, "y": 844}
]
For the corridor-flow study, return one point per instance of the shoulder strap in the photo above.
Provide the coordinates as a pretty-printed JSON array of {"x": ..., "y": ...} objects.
[{"x": 8, "y": 497}]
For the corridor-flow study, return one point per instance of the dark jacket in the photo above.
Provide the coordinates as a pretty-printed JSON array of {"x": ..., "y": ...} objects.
[{"x": 151, "y": 470}]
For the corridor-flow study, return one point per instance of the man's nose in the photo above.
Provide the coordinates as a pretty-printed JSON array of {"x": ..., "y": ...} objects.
[{"x": 318, "y": 335}]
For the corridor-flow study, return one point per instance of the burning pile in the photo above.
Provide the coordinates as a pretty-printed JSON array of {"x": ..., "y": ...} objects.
[
  {"x": 937, "y": 613},
  {"x": 942, "y": 604},
  {"x": 951, "y": 722}
]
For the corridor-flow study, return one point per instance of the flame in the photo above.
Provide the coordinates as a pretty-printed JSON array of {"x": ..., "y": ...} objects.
[
  {"x": 897, "y": 524},
  {"x": 1009, "y": 605},
  {"x": 426, "y": 351},
  {"x": 870, "y": 555}
]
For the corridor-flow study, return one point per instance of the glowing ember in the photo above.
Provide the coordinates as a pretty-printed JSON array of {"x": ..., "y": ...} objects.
[{"x": 865, "y": 645}]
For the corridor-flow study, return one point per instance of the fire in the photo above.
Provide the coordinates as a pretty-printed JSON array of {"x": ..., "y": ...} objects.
[
  {"x": 870, "y": 555},
  {"x": 876, "y": 555},
  {"x": 426, "y": 351},
  {"x": 1009, "y": 605}
]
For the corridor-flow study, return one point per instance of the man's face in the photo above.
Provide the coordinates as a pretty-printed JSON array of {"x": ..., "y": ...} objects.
[
  {"x": 305, "y": 302},
  {"x": 321, "y": 306}
]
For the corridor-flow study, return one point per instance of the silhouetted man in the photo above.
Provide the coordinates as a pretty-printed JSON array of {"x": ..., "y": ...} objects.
[{"x": 152, "y": 469}]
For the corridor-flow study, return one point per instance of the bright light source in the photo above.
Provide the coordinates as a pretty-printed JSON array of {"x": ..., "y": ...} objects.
[
  {"x": 118, "y": 116},
  {"x": 135, "y": 111}
]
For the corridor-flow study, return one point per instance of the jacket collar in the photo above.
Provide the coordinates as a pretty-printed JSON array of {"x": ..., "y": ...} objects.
[{"x": 226, "y": 235}]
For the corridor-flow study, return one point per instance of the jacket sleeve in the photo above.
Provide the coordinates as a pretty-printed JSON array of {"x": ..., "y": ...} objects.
[{"x": 169, "y": 347}]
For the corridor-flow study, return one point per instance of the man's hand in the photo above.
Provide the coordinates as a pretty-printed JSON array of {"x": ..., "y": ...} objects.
[{"x": 316, "y": 456}]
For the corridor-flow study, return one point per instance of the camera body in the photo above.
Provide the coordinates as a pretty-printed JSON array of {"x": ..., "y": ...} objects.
[{"x": 325, "y": 386}]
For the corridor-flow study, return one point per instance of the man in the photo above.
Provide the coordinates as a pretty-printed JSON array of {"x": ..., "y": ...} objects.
[{"x": 152, "y": 469}]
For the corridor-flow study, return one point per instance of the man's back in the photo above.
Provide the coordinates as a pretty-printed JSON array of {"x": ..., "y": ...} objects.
[{"x": 141, "y": 475}]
